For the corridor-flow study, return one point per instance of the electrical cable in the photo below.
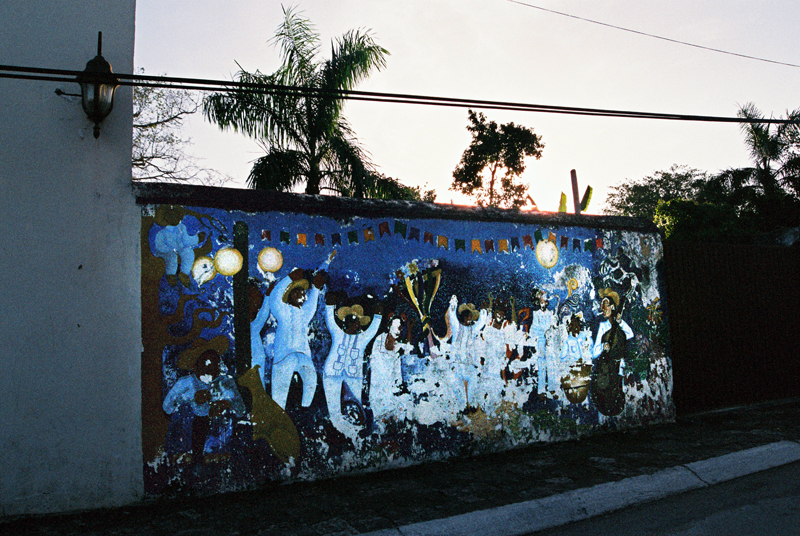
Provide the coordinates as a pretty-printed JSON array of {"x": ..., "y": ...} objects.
[
  {"x": 199, "y": 84},
  {"x": 651, "y": 35}
]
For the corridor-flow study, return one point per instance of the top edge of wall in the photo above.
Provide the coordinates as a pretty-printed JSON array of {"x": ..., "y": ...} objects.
[{"x": 342, "y": 207}]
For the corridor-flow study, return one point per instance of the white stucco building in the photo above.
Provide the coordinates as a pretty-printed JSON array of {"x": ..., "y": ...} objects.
[{"x": 70, "y": 344}]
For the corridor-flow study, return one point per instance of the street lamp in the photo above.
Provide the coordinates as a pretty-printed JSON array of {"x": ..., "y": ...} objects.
[{"x": 98, "y": 84}]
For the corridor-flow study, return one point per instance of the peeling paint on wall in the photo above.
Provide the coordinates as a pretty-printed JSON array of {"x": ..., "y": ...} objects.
[{"x": 282, "y": 346}]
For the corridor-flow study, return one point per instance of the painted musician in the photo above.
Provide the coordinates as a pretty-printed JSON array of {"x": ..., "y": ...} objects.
[{"x": 608, "y": 355}]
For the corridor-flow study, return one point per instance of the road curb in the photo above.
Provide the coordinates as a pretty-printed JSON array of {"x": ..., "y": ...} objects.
[
  {"x": 539, "y": 514},
  {"x": 745, "y": 462}
]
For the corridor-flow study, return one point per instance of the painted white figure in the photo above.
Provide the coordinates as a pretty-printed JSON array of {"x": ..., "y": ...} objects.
[
  {"x": 576, "y": 344},
  {"x": 500, "y": 337},
  {"x": 386, "y": 375},
  {"x": 345, "y": 360},
  {"x": 259, "y": 314},
  {"x": 609, "y": 306},
  {"x": 293, "y": 303},
  {"x": 575, "y": 347},
  {"x": 431, "y": 389},
  {"x": 552, "y": 358},
  {"x": 174, "y": 241},
  {"x": 608, "y": 363},
  {"x": 541, "y": 321},
  {"x": 465, "y": 323}
]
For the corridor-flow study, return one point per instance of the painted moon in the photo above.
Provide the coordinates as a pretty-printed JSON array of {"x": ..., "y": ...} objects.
[
  {"x": 270, "y": 260},
  {"x": 547, "y": 253},
  {"x": 228, "y": 261},
  {"x": 203, "y": 270}
]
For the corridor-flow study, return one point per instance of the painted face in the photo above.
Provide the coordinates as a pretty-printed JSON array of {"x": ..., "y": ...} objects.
[
  {"x": 351, "y": 325},
  {"x": 607, "y": 307},
  {"x": 466, "y": 318},
  {"x": 297, "y": 297},
  {"x": 394, "y": 328},
  {"x": 574, "y": 326},
  {"x": 207, "y": 367}
]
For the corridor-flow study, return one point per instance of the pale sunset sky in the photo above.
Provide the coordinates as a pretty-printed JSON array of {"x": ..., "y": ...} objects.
[{"x": 505, "y": 51}]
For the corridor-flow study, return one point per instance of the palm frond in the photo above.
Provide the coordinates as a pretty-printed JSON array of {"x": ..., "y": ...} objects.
[
  {"x": 349, "y": 164},
  {"x": 298, "y": 42},
  {"x": 278, "y": 170},
  {"x": 304, "y": 119},
  {"x": 265, "y": 116},
  {"x": 353, "y": 57}
]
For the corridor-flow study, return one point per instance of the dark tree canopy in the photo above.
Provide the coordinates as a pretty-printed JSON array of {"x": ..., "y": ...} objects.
[
  {"x": 775, "y": 152},
  {"x": 639, "y": 198},
  {"x": 734, "y": 205},
  {"x": 494, "y": 160},
  {"x": 307, "y": 140}
]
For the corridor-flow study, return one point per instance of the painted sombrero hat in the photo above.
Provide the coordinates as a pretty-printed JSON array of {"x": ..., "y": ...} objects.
[
  {"x": 473, "y": 313},
  {"x": 300, "y": 283},
  {"x": 356, "y": 310}
]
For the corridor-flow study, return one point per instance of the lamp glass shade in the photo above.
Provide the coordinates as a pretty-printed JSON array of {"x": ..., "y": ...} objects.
[
  {"x": 98, "y": 85},
  {"x": 98, "y": 100}
]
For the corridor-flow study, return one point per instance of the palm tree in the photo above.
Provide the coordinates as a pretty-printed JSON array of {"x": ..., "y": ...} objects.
[
  {"x": 764, "y": 196},
  {"x": 774, "y": 152},
  {"x": 305, "y": 137}
]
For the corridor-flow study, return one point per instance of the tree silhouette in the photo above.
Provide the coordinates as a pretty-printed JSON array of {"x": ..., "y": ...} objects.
[
  {"x": 495, "y": 149},
  {"x": 307, "y": 140}
]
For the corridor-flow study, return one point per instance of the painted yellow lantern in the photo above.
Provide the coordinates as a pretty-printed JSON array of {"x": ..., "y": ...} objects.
[
  {"x": 228, "y": 261},
  {"x": 270, "y": 259}
]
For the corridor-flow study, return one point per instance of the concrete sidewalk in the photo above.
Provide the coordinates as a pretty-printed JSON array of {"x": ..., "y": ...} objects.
[
  {"x": 531, "y": 516},
  {"x": 516, "y": 492}
]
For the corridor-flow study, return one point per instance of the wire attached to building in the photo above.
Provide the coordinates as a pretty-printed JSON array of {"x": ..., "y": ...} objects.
[{"x": 205, "y": 85}]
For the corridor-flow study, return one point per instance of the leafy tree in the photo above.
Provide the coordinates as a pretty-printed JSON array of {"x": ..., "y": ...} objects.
[
  {"x": 734, "y": 205},
  {"x": 494, "y": 150},
  {"x": 639, "y": 198},
  {"x": 306, "y": 139},
  {"x": 159, "y": 148},
  {"x": 689, "y": 220},
  {"x": 389, "y": 188}
]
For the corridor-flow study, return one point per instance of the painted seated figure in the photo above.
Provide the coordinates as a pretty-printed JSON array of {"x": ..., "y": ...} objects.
[{"x": 201, "y": 406}]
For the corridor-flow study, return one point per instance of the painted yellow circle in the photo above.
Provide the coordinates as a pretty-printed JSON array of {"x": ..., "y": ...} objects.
[
  {"x": 228, "y": 261},
  {"x": 547, "y": 253},
  {"x": 203, "y": 269},
  {"x": 270, "y": 259}
]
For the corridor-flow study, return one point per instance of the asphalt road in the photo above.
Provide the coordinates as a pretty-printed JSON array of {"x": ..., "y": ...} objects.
[{"x": 767, "y": 502}]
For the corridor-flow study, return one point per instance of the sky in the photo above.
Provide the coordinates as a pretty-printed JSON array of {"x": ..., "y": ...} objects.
[{"x": 500, "y": 50}]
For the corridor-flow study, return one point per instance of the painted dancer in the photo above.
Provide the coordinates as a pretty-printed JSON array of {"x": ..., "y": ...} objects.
[
  {"x": 464, "y": 324},
  {"x": 293, "y": 303},
  {"x": 386, "y": 374},
  {"x": 351, "y": 330}
]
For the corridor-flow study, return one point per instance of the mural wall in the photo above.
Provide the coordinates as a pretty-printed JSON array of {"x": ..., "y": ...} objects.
[{"x": 282, "y": 345}]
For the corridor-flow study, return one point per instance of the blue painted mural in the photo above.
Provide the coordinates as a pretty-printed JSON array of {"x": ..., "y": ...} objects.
[{"x": 282, "y": 346}]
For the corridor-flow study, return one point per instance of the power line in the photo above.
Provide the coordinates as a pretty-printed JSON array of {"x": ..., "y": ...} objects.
[
  {"x": 199, "y": 84},
  {"x": 652, "y": 35}
]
